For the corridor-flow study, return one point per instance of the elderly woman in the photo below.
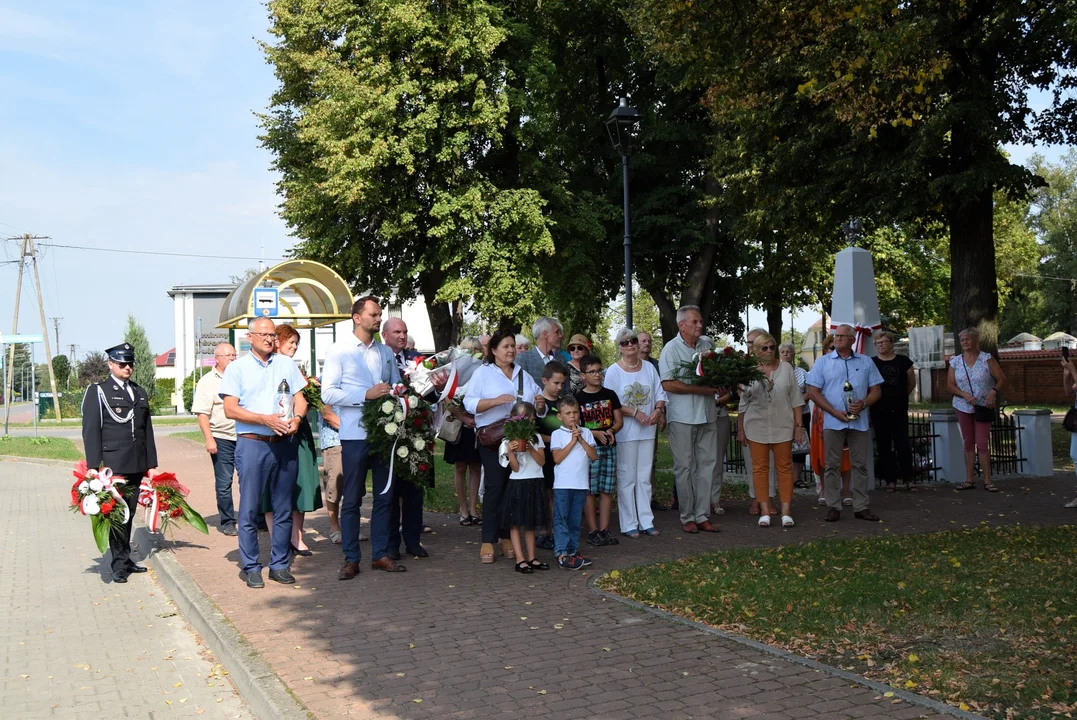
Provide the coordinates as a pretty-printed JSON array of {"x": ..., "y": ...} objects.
[
  {"x": 1069, "y": 384},
  {"x": 578, "y": 347},
  {"x": 491, "y": 392},
  {"x": 522, "y": 343},
  {"x": 643, "y": 403},
  {"x": 771, "y": 419},
  {"x": 307, "y": 496},
  {"x": 975, "y": 379},
  {"x": 463, "y": 454},
  {"x": 890, "y": 416},
  {"x": 788, "y": 352}
]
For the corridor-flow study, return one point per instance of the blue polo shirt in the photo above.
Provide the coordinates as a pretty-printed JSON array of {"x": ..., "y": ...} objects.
[
  {"x": 829, "y": 374},
  {"x": 255, "y": 384}
]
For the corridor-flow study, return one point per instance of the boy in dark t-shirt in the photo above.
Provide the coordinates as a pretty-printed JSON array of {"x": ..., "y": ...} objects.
[
  {"x": 600, "y": 412},
  {"x": 554, "y": 376}
]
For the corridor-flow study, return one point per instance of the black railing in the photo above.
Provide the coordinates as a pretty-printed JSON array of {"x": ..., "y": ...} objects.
[
  {"x": 734, "y": 459},
  {"x": 1004, "y": 445}
]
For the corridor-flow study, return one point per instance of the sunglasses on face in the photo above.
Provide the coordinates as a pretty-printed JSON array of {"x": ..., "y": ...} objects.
[
  {"x": 574, "y": 348},
  {"x": 764, "y": 348},
  {"x": 630, "y": 341},
  {"x": 123, "y": 364}
]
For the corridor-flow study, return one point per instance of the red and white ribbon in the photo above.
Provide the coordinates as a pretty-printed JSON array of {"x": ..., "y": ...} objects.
[
  {"x": 392, "y": 454},
  {"x": 147, "y": 498},
  {"x": 449, "y": 391},
  {"x": 110, "y": 482},
  {"x": 863, "y": 332},
  {"x": 699, "y": 365}
]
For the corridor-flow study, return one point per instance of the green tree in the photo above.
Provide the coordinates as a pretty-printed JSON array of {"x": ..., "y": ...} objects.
[
  {"x": 1055, "y": 222},
  {"x": 21, "y": 360},
  {"x": 92, "y": 369},
  {"x": 145, "y": 373},
  {"x": 61, "y": 368},
  {"x": 917, "y": 99}
]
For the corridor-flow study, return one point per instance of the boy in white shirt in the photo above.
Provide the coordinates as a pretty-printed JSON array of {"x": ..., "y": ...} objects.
[{"x": 573, "y": 450}]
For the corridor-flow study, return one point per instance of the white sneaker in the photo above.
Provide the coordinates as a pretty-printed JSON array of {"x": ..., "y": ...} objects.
[{"x": 764, "y": 521}]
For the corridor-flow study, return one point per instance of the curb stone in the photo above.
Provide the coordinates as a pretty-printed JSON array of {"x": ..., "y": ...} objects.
[
  {"x": 50, "y": 462},
  {"x": 264, "y": 692},
  {"x": 911, "y": 698}
]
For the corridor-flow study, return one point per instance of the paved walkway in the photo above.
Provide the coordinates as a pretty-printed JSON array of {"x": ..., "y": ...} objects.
[
  {"x": 452, "y": 638},
  {"x": 75, "y": 646}
]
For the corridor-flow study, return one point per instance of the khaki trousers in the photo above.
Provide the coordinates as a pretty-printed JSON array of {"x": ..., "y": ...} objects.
[
  {"x": 695, "y": 450},
  {"x": 834, "y": 442}
]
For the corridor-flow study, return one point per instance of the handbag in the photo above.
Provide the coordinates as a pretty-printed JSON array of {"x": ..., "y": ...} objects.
[
  {"x": 1070, "y": 421},
  {"x": 490, "y": 436},
  {"x": 980, "y": 413},
  {"x": 450, "y": 430}
]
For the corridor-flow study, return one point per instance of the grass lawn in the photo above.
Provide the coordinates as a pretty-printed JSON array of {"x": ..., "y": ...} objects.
[
  {"x": 45, "y": 423},
  {"x": 442, "y": 497},
  {"x": 50, "y": 448},
  {"x": 983, "y": 619}
]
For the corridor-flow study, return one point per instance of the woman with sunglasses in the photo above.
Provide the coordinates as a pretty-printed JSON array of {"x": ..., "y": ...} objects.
[
  {"x": 643, "y": 407},
  {"x": 770, "y": 419},
  {"x": 578, "y": 347}
]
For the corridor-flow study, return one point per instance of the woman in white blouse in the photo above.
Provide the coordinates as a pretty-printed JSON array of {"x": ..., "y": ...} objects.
[
  {"x": 491, "y": 392},
  {"x": 643, "y": 406},
  {"x": 770, "y": 419}
]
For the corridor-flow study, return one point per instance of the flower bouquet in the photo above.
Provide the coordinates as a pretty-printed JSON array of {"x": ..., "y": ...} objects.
[
  {"x": 520, "y": 427},
  {"x": 400, "y": 429},
  {"x": 96, "y": 493},
  {"x": 313, "y": 394},
  {"x": 165, "y": 501},
  {"x": 457, "y": 362},
  {"x": 725, "y": 368}
]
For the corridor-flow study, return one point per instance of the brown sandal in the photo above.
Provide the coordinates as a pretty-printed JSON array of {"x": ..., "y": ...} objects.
[
  {"x": 506, "y": 547},
  {"x": 486, "y": 554}
]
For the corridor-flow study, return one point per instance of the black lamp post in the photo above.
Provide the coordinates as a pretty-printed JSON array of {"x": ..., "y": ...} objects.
[{"x": 621, "y": 125}]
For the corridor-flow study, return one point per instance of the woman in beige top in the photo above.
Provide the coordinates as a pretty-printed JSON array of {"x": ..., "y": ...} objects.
[{"x": 770, "y": 418}]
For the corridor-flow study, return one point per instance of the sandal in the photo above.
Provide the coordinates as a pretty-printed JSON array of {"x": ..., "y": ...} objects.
[
  {"x": 890, "y": 487},
  {"x": 764, "y": 521},
  {"x": 486, "y": 554},
  {"x": 475, "y": 520},
  {"x": 465, "y": 520},
  {"x": 754, "y": 509},
  {"x": 967, "y": 485},
  {"x": 538, "y": 564},
  {"x": 334, "y": 537},
  {"x": 523, "y": 567},
  {"x": 787, "y": 521},
  {"x": 847, "y": 501},
  {"x": 990, "y": 487},
  {"x": 506, "y": 548},
  {"x": 654, "y": 531},
  {"x": 634, "y": 534}
]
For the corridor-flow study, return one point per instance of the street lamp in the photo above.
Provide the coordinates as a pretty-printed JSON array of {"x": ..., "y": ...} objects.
[{"x": 621, "y": 126}]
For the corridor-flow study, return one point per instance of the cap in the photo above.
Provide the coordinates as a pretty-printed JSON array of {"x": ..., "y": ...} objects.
[
  {"x": 122, "y": 353},
  {"x": 578, "y": 339}
]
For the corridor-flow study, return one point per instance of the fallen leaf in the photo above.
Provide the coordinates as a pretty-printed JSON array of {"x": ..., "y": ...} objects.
[
  {"x": 888, "y": 694},
  {"x": 401, "y": 674},
  {"x": 309, "y": 677},
  {"x": 179, "y": 684},
  {"x": 605, "y": 649},
  {"x": 411, "y": 646},
  {"x": 417, "y": 700}
]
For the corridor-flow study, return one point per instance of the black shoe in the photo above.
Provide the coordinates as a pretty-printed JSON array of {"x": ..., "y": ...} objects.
[
  {"x": 608, "y": 538},
  {"x": 595, "y": 539},
  {"x": 394, "y": 555},
  {"x": 119, "y": 577},
  {"x": 297, "y": 551},
  {"x": 419, "y": 552},
  {"x": 132, "y": 568},
  {"x": 282, "y": 576},
  {"x": 253, "y": 579},
  {"x": 229, "y": 530},
  {"x": 833, "y": 515}
]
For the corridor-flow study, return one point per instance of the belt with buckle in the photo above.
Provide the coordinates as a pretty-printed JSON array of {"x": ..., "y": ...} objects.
[{"x": 263, "y": 438}]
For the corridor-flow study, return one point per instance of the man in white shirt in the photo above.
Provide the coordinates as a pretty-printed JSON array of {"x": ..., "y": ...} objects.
[
  {"x": 358, "y": 368},
  {"x": 690, "y": 416},
  {"x": 219, "y": 432}
]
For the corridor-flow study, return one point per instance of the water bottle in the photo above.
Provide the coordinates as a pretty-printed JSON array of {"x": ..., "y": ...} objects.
[
  {"x": 285, "y": 402},
  {"x": 850, "y": 397}
]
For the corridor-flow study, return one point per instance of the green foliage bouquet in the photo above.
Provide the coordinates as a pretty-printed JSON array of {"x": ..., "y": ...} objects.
[
  {"x": 520, "y": 427},
  {"x": 725, "y": 368},
  {"x": 400, "y": 429}
]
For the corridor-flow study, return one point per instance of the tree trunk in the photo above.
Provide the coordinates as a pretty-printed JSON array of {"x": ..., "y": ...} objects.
[
  {"x": 774, "y": 317},
  {"x": 973, "y": 283},
  {"x": 440, "y": 314}
]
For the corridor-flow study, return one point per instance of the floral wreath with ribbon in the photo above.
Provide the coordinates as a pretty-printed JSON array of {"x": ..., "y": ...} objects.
[
  {"x": 96, "y": 493},
  {"x": 400, "y": 430},
  {"x": 165, "y": 501}
]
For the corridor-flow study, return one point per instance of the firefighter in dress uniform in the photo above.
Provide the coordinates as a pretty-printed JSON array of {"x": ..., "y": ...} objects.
[{"x": 118, "y": 434}]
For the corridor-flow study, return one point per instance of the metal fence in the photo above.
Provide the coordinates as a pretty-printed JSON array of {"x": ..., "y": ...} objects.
[{"x": 1004, "y": 446}]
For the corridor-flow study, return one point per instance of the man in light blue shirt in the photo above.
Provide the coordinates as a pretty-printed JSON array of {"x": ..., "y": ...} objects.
[
  {"x": 825, "y": 387},
  {"x": 356, "y": 369},
  {"x": 266, "y": 447}
]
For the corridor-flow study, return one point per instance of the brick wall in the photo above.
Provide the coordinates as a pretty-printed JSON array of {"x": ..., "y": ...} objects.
[{"x": 1035, "y": 378}]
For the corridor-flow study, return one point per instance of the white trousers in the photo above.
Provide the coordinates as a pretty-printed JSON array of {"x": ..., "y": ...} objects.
[{"x": 634, "y": 460}]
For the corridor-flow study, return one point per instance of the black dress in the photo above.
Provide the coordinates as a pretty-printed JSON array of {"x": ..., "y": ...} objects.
[
  {"x": 524, "y": 503},
  {"x": 890, "y": 418},
  {"x": 465, "y": 449}
]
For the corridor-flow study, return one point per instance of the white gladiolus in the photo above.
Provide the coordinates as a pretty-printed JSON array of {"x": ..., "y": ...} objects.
[
  {"x": 402, "y": 452},
  {"x": 418, "y": 443},
  {"x": 387, "y": 407},
  {"x": 90, "y": 505},
  {"x": 96, "y": 485},
  {"x": 391, "y": 428}
]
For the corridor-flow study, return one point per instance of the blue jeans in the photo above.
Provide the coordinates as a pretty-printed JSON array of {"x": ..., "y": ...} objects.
[
  {"x": 356, "y": 459},
  {"x": 224, "y": 466},
  {"x": 406, "y": 513},
  {"x": 261, "y": 465},
  {"x": 567, "y": 513}
]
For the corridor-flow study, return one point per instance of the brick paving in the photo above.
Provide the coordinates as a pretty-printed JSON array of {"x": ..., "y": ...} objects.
[
  {"x": 75, "y": 646},
  {"x": 452, "y": 638}
]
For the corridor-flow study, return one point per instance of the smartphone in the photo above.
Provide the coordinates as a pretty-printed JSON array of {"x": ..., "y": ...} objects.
[{"x": 1065, "y": 353}]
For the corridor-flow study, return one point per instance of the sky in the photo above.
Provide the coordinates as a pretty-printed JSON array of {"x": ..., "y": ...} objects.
[{"x": 131, "y": 126}]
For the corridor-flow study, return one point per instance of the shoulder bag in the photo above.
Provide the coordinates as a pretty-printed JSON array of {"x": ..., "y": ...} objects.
[
  {"x": 490, "y": 436},
  {"x": 451, "y": 426},
  {"x": 1070, "y": 421},
  {"x": 980, "y": 413}
]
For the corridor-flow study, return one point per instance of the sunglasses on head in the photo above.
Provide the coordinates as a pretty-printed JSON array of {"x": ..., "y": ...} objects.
[
  {"x": 574, "y": 348},
  {"x": 630, "y": 341}
]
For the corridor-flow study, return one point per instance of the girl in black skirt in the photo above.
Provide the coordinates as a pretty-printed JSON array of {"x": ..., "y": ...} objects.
[{"x": 524, "y": 506}]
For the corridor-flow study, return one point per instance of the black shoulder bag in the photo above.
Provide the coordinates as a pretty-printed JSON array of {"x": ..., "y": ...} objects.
[{"x": 980, "y": 413}]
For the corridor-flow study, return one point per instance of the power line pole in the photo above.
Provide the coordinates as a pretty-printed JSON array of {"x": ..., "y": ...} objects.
[
  {"x": 56, "y": 324},
  {"x": 10, "y": 384},
  {"x": 30, "y": 251}
]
